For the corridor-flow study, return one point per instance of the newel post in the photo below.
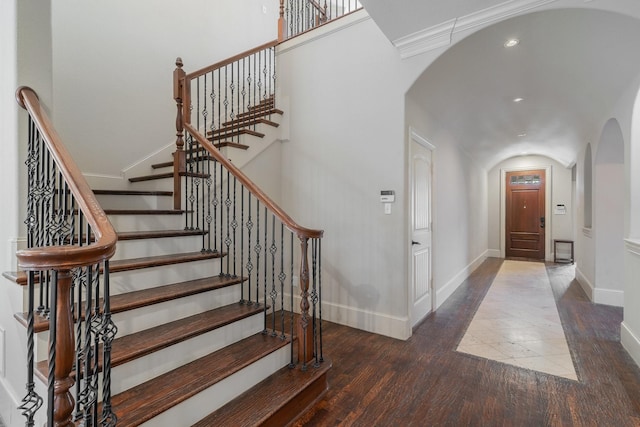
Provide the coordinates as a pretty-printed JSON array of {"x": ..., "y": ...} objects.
[
  {"x": 179, "y": 159},
  {"x": 305, "y": 330},
  {"x": 281, "y": 23},
  {"x": 64, "y": 345}
]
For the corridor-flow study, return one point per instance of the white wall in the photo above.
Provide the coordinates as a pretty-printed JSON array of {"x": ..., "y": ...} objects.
[
  {"x": 630, "y": 125},
  {"x": 459, "y": 204},
  {"x": 609, "y": 216},
  {"x": 347, "y": 143},
  {"x": 559, "y": 226},
  {"x": 113, "y": 64},
  {"x": 25, "y": 54}
]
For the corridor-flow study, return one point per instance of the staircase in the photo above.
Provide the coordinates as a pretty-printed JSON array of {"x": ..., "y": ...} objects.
[
  {"x": 186, "y": 347},
  {"x": 206, "y": 335}
]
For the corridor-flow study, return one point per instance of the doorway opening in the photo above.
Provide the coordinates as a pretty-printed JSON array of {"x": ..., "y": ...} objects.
[
  {"x": 542, "y": 216},
  {"x": 525, "y": 214}
]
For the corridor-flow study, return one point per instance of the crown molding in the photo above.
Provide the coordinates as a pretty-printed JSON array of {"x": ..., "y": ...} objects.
[
  {"x": 442, "y": 34},
  {"x": 633, "y": 246},
  {"x": 497, "y": 13},
  {"x": 425, "y": 40}
]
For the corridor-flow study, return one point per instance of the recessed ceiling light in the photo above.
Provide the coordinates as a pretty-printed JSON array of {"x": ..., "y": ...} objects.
[
  {"x": 518, "y": 99},
  {"x": 521, "y": 135},
  {"x": 511, "y": 43}
]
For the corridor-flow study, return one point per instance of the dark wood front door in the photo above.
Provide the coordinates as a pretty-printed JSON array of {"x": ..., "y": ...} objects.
[{"x": 525, "y": 213}]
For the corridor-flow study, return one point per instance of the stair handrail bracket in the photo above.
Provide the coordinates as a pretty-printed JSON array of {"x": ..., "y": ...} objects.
[{"x": 69, "y": 243}]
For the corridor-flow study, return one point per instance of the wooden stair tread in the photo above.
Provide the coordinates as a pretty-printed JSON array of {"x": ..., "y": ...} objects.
[
  {"x": 145, "y": 297},
  {"x": 157, "y": 234},
  {"x": 166, "y": 176},
  {"x": 162, "y": 165},
  {"x": 20, "y": 277},
  {"x": 231, "y": 144},
  {"x": 273, "y": 401},
  {"x": 139, "y": 344},
  {"x": 246, "y": 122},
  {"x": 133, "y": 192},
  {"x": 143, "y": 402},
  {"x": 143, "y": 211},
  {"x": 263, "y": 111},
  {"x": 160, "y": 260},
  {"x": 217, "y": 135}
]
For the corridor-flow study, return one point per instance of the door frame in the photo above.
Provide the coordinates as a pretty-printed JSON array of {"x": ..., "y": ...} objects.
[
  {"x": 547, "y": 207},
  {"x": 414, "y": 136}
]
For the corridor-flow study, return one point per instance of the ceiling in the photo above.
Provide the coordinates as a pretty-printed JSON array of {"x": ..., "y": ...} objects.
[{"x": 570, "y": 69}]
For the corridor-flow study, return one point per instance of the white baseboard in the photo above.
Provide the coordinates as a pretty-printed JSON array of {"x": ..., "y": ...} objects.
[
  {"x": 597, "y": 295},
  {"x": 366, "y": 320},
  {"x": 608, "y": 297},
  {"x": 586, "y": 285},
  {"x": 9, "y": 403},
  {"x": 450, "y": 287},
  {"x": 630, "y": 342},
  {"x": 377, "y": 323},
  {"x": 494, "y": 253},
  {"x": 385, "y": 324}
]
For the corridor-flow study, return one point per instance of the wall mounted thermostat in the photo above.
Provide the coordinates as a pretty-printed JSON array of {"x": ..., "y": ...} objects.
[{"x": 387, "y": 196}]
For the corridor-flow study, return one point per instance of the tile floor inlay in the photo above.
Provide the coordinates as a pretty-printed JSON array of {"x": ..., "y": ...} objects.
[{"x": 518, "y": 322}]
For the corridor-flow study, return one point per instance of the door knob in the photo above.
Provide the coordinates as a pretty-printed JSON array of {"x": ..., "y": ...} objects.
[
  {"x": 413, "y": 242},
  {"x": 541, "y": 222}
]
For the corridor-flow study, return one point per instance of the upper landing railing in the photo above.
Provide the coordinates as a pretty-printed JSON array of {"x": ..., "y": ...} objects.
[{"x": 300, "y": 16}]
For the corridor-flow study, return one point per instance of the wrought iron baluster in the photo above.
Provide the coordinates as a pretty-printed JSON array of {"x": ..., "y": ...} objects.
[
  {"x": 209, "y": 218},
  {"x": 314, "y": 298},
  {"x": 266, "y": 228},
  {"x": 282, "y": 276},
  {"x": 221, "y": 201},
  {"x": 320, "y": 294},
  {"x": 108, "y": 333},
  {"x": 234, "y": 226},
  {"x": 31, "y": 402},
  {"x": 53, "y": 332},
  {"x": 242, "y": 300},
  {"x": 77, "y": 282},
  {"x": 292, "y": 363},
  {"x": 215, "y": 203},
  {"x": 258, "y": 249},
  {"x": 96, "y": 327},
  {"x": 228, "y": 223},
  {"x": 273, "y": 249},
  {"x": 249, "y": 264}
]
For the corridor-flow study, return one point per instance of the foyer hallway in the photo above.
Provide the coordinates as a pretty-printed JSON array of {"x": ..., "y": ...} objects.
[{"x": 424, "y": 381}]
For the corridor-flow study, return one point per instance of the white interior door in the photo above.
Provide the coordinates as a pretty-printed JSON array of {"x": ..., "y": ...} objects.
[{"x": 421, "y": 292}]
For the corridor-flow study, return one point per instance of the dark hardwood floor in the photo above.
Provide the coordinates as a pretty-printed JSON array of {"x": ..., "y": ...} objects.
[{"x": 379, "y": 381}]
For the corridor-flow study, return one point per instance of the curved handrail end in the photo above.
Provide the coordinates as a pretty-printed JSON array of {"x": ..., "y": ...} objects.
[{"x": 19, "y": 99}]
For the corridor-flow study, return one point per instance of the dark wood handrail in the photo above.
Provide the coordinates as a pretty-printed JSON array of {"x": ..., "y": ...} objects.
[
  {"x": 66, "y": 257},
  {"x": 205, "y": 70},
  {"x": 301, "y": 232}
]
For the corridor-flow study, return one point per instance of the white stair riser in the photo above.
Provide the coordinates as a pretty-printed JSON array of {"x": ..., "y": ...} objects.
[
  {"x": 110, "y": 201},
  {"x": 147, "y": 222},
  {"x": 127, "y": 281},
  {"x": 143, "y": 369},
  {"x": 160, "y": 246},
  {"x": 147, "y": 317},
  {"x": 202, "y": 404}
]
